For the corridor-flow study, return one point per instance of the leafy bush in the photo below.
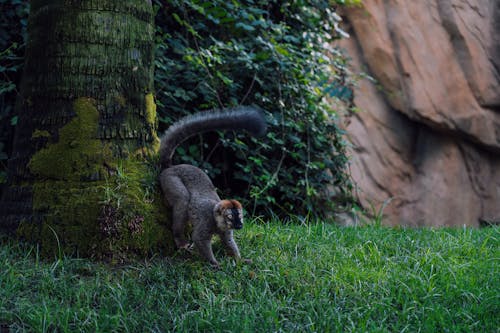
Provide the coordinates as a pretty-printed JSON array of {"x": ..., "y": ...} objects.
[
  {"x": 272, "y": 54},
  {"x": 12, "y": 34}
]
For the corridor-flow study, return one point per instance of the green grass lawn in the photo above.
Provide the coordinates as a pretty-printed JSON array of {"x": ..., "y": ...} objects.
[{"x": 317, "y": 278}]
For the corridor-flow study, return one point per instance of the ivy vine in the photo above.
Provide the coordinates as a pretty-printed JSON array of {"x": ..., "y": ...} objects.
[{"x": 274, "y": 54}]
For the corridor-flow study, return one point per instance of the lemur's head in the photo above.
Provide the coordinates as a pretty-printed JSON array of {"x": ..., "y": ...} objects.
[{"x": 228, "y": 214}]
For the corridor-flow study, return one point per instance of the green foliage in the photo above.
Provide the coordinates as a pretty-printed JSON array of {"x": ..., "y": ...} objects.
[
  {"x": 12, "y": 34},
  {"x": 369, "y": 279},
  {"x": 273, "y": 54}
]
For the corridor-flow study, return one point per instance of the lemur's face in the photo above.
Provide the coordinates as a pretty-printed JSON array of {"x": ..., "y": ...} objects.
[{"x": 228, "y": 215}]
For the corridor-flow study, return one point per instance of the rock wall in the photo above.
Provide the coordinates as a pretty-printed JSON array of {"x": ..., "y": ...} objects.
[{"x": 426, "y": 143}]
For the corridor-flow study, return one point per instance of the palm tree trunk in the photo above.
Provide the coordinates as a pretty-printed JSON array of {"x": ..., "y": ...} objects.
[{"x": 80, "y": 177}]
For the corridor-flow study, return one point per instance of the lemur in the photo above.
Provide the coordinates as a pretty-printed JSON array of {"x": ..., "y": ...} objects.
[{"x": 190, "y": 192}]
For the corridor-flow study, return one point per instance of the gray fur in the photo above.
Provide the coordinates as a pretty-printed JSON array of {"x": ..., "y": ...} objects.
[
  {"x": 190, "y": 192},
  {"x": 247, "y": 118}
]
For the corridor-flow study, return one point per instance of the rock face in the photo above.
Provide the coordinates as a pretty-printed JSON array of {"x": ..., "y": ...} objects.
[{"x": 426, "y": 143}]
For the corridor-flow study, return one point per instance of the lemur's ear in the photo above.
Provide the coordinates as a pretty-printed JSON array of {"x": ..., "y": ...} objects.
[
  {"x": 236, "y": 204},
  {"x": 220, "y": 207}
]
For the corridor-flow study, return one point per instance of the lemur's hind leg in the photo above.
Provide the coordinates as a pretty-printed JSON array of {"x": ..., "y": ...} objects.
[
  {"x": 179, "y": 221},
  {"x": 177, "y": 196},
  {"x": 204, "y": 247},
  {"x": 202, "y": 236}
]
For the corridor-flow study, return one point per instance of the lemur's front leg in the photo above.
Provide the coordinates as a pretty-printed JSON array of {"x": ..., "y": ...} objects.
[{"x": 231, "y": 246}]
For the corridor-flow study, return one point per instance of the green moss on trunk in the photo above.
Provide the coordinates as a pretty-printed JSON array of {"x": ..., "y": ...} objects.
[
  {"x": 78, "y": 155},
  {"x": 92, "y": 202}
]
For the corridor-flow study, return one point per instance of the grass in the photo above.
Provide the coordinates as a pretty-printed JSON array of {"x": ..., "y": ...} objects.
[{"x": 316, "y": 278}]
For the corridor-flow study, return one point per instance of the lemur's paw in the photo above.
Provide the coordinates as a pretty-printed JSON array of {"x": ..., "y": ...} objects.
[
  {"x": 185, "y": 248},
  {"x": 215, "y": 265},
  {"x": 246, "y": 261}
]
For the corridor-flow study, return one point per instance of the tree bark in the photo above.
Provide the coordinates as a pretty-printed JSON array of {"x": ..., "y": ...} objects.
[{"x": 81, "y": 177}]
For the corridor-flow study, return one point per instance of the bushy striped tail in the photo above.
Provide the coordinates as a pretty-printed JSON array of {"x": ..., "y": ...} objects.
[{"x": 248, "y": 118}]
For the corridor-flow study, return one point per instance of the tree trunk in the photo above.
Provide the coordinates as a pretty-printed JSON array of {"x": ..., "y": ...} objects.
[{"x": 82, "y": 175}]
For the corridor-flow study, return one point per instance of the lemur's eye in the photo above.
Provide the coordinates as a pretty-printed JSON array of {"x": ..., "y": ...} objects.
[{"x": 230, "y": 216}]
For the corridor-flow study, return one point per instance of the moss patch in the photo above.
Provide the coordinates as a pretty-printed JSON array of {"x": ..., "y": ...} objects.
[
  {"x": 78, "y": 155},
  {"x": 151, "y": 119},
  {"x": 40, "y": 134},
  {"x": 92, "y": 202}
]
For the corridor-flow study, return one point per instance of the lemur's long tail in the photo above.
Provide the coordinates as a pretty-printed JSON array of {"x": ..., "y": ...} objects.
[{"x": 247, "y": 118}]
